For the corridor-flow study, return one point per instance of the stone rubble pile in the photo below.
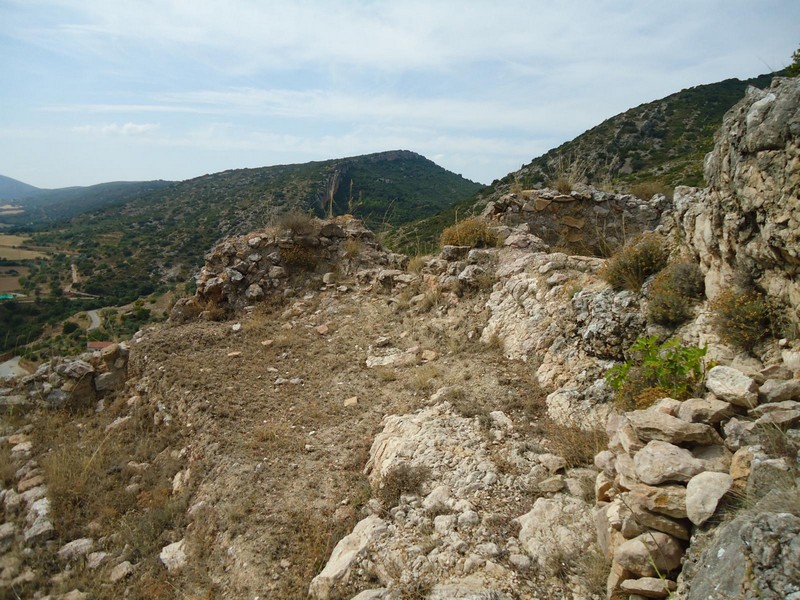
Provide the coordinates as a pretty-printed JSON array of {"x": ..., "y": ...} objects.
[
  {"x": 70, "y": 383},
  {"x": 669, "y": 468},
  {"x": 585, "y": 217},
  {"x": 241, "y": 271}
]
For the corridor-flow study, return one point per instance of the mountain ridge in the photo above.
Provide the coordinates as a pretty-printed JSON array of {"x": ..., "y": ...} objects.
[
  {"x": 160, "y": 237},
  {"x": 11, "y": 189},
  {"x": 659, "y": 144}
]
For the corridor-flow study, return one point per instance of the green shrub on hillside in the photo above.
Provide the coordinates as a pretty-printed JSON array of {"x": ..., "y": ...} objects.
[
  {"x": 673, "y": 294},
  {"x": 742, "y": 318},
  {"x": 469, "y": 232},
  {"x": 637, "y": 260},
  {"x": 655, "y": 371}
]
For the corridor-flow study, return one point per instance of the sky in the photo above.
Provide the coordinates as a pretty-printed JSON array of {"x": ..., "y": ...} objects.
[{"x": 110, "y": 90}]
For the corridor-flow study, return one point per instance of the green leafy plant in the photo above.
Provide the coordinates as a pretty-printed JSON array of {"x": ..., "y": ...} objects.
[
  {"x": 793, "y": 70},
  {"x": 637, "y": 260},
  {"x": 671, "y": 369},
  {"x": 469, "y": 232}
]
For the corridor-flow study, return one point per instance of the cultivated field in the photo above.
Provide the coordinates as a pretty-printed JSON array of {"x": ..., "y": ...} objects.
[
  {"x": 9, "y": 278},
  {"x": 10, "y": 248},
  {"x": 10, "y": 209}
]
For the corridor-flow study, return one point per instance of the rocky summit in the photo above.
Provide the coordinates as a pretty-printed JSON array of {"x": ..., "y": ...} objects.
[{"x": 592, "y": 395}]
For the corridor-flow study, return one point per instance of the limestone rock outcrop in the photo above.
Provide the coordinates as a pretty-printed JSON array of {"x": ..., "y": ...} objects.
[
  {"x": 75, "y": 382},
  {"x": 748, "y": 219},
  {"x": 585, "y": 218}
]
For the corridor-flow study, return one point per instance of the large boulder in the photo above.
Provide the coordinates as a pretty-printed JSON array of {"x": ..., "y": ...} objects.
[{"x": 557, "y": 526}]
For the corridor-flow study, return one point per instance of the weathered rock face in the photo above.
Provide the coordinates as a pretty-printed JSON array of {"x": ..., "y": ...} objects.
[
  {"x": 585, "y": 219},
  {"x": 459, "y": 528},
  {"x": 555, "y": 309},
  {"x": 756, "y": 555},
  {"x": 749, "y": 217}
]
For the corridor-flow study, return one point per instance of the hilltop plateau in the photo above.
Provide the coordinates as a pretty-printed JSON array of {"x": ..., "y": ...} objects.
[{"x": 513, "y": 417}]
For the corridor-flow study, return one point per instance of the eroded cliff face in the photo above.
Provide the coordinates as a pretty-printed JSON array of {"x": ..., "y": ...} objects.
[{"x": 748, "y": 219}]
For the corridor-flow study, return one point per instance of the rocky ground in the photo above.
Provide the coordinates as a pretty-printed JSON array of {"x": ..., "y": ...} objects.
[
  {"x": 328, "y": 419},
  {"x": 268, "y": 420}
]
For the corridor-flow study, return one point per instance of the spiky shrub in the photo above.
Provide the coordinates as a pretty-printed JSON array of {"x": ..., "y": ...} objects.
[
  {"x": 299, "y": 258},
  {"x": 299, "y": 223},
  {"x": 637, "y": 260},
  {"x": 655, "y": 371},
  {"x": 469, "y": 232},
  {"x": 742, "y": 318},
  {"x": 674, "y": 292}
]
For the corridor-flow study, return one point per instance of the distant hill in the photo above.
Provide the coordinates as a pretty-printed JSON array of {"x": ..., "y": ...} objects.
[
  {"x": 11, "y": 188},
  {"x": 158, "y": 238},
  {"x": 662, "y": 143},
  {"x": 44, "y": 206},
  {"x": 664, "y": 140}
]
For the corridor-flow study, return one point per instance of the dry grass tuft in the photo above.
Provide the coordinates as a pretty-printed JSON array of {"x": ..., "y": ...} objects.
[
  {"x": 307, "y": 538},
  {"x": 423, "y": 378},
  {"x": 592, "y": 569},
  {"x": 299, "y": 258},
  {"x": 576, "y": 445},
  {"x": 567, "y": 173},
  {"x": 299, "y": 223},
  {"x": 351, "y": 247},
  {"x": 637, "y": 260},
  {"x": 415, "y": 264},
  {"x": 276, "y": 437},
  {"x": 433, "y": 298},
  {"x": 7, "y": 470},
  {"x": 647, "y": 189},
  {"x": 403, "y": 479},
  {"x": 472, "y": 231},
  {"x": 385, "y": 374}
]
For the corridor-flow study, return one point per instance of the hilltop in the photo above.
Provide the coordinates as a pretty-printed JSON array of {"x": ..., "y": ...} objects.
[
  {"x": 647, "y": 149},
  {"x": 154, "y": 240},
  {"x": 505, "y": 419},
  {"x": 11, "y": 188}
]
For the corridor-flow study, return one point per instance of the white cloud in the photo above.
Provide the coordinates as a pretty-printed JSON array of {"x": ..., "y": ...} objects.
[
  {"x": 484, "y": 85},
  {"x": 115, "y": 129}
]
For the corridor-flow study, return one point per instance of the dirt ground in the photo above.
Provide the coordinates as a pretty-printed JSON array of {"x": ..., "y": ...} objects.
[
  {"x": 240, "y": 441},
  {"x": 9, "y": 282},
  {"x": 279, "y": 464}
]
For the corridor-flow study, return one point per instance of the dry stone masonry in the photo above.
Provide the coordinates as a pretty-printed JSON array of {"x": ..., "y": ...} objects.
[{"x": 670, "y": 467}]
